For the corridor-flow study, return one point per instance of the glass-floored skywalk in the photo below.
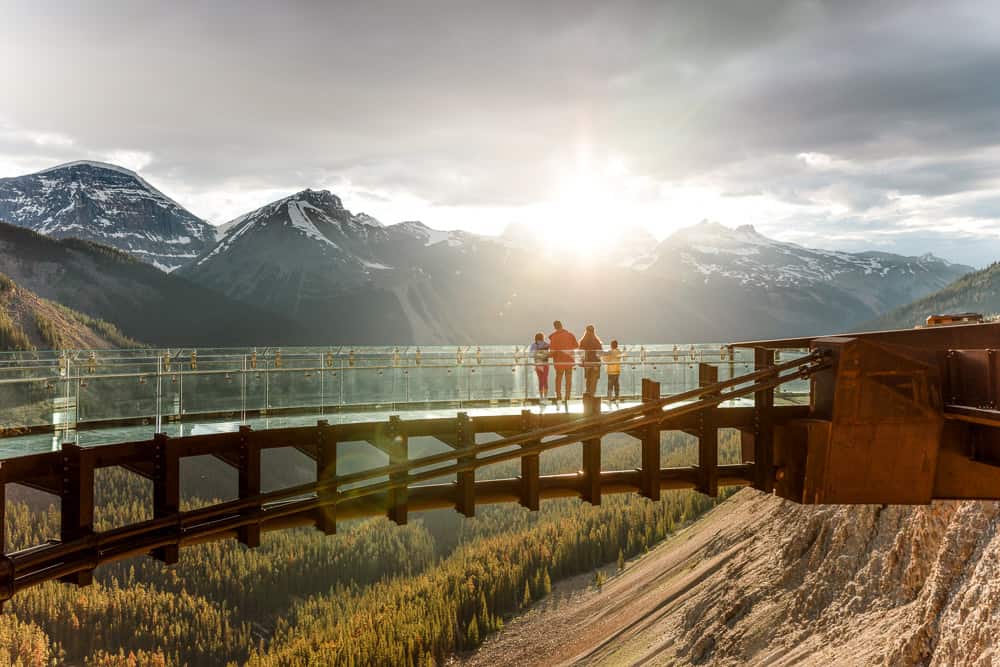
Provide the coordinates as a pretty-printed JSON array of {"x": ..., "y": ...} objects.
[{"x": 107, "y": 396}]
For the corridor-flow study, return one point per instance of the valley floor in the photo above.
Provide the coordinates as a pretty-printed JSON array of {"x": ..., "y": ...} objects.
[{"x": 764, "y": 581}]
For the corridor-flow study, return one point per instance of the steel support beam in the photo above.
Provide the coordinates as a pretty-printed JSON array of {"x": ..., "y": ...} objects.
[
  {"x": 708, "y": 437},
  {"x": 650, "y": 446},
  {"x": 763, "y": 436},
  {"x": 397, "y": 446},
  {"x": 326, "y": 473},
  {"x": 166, "y": 490},
  {"x": 249, "y": 481},
  {"x": 529, "y": 470},
  {"x": 77, "y": 504},
  {"x": 465, "y": 491},
  {"x": 592, "y": 454}
]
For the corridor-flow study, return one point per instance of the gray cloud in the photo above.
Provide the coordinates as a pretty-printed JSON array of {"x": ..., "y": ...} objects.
[{"x": 467, "y": 104}]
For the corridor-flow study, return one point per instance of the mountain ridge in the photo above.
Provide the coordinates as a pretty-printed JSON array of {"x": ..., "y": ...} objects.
[
  {"x": 147, "y": 304},
  {"x": 108, "y": 204},
  {"x": 311, "y": 259},
  {"x": 27, "y": 322},
  {"x": 977, "y": 291}
]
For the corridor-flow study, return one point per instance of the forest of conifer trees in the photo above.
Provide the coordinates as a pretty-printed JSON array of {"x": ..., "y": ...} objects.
[{"x": 376, "y": 593}]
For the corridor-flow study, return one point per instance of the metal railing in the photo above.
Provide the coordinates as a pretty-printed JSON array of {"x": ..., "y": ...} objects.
[
  {"x": 67, "y": 390},
  {"x": 406, "y": 484}
]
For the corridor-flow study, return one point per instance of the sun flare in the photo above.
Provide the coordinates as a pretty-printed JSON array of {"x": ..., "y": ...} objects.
[{"x": 584, "y": 206}]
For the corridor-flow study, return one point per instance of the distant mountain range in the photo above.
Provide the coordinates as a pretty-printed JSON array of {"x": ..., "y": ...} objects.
[
  {"x": 106, "y": 204},
  {"x": 329, "y": 276},
  {"x": 147, "y": 304},
  {"x": 977, "y": 292},
  {"x": 308, "y": 258}
]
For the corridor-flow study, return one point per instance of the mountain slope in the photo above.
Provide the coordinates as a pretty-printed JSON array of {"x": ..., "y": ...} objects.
[
  {"x": 28, "y": 321},
  {"x": 308, "y": 258},
  {"x": 352, "y": 280},
  {"x": 976, "y": 292},
  {"x": 146, "y": 304},
  {"x": 762, "y": 581},
  {"x": 107, "y": 204}
]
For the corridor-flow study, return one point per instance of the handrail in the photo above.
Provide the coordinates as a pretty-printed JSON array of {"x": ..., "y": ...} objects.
[{"x": 220, "y": 518}]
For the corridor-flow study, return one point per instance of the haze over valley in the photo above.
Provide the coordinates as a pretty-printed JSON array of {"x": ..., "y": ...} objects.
[{"x": 337, "y": 277}]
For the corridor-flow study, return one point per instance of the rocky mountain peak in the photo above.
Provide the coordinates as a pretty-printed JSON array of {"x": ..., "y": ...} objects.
[
  {"x": 107, "y": 204},
  {"x": 714, "y": 233},
  {"x": 321, "y": 199}
]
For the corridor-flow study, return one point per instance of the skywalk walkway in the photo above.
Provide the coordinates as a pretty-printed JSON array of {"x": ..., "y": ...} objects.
[{"x": 891, "y": 417}]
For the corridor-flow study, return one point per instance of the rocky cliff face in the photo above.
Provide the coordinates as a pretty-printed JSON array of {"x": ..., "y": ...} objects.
[
  {"x": 763, "y": 581},
  {"x": 855, "y": 585}
]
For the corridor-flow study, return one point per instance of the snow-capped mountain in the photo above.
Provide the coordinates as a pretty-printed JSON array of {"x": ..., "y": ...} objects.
[
  {"x": 352, "y": 279},
  {"x": 711, "y": 253},
  {"x": 308, "y": 257},
  {"x": 106, "y": 204},
  {"x": 313, "y": 222}
]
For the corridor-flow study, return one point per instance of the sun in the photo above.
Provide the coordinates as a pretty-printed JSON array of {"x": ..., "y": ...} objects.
[{"x": 583, "y": 209}]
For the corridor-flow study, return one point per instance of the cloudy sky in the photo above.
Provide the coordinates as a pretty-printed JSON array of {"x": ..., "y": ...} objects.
[{"x": 838, "y": 124}]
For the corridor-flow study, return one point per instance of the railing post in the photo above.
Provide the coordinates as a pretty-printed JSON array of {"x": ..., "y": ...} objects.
[
  {"x": 708, "y": 436},
  {"x": 465, "y": 500},
  {"x": 326, "y": 471},
  {"x": 592, "y": 455},
  {"x": 763, "y": 440},
  {"x": 529, "y": 469},
  {"x": 77, "y": 503},
  {"x": 249, "y": 483},
  {"x": 3, "y": 516},
  {"x": 166, "y": 490},
  {"x": 398, "y": 453},
  {"x": 650, "y": 446}
]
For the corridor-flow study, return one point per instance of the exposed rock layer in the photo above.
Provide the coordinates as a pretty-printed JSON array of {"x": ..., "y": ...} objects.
[{"x": 765, "y": 581}]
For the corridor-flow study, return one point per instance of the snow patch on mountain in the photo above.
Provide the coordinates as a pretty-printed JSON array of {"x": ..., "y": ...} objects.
[
  {"x": 717, "y": 252},
  {"x": 107, "y": 204},
  {"x": 429, "y": 236},
  {"x": 117, "y": 169},
  {"x": 301, "y": 221}
]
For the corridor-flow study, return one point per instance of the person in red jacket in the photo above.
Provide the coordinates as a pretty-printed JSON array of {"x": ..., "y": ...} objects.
[{"x": 563, "y": 344}]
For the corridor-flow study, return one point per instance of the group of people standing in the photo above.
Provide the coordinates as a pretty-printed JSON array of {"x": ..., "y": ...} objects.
[{"x": 561, "y": 349}]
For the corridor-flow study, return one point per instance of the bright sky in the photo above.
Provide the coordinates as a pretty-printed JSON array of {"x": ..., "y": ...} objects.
[{"x": 849, "y": 125}]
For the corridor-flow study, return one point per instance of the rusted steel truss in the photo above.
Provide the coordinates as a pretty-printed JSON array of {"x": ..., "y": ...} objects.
[
  {"x": 900, "y": 417},
  {"x": 403, "y": 486}
]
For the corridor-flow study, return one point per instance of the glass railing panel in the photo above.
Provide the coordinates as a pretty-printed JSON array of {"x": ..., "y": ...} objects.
[
  {"x": 211, "y": 385},
  {"x": 31, "y": 403},
  {"x": 438, "y": 381},
  {"x": 493, "y": 380},
  {"x": 256, "y": 382},
  {"x": 298, "y": 382},
  {"x": 368, "y": 385},
  {"x": 117, "y": 392}
]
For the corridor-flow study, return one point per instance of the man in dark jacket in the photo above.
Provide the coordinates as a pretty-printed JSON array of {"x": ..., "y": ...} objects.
[{"x": 591, "y": 346}]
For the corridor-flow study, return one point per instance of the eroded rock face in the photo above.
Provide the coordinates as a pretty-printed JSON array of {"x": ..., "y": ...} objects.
[
  {"x": 763, "y": 581},
  {"x": 855, "y": 585}
]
